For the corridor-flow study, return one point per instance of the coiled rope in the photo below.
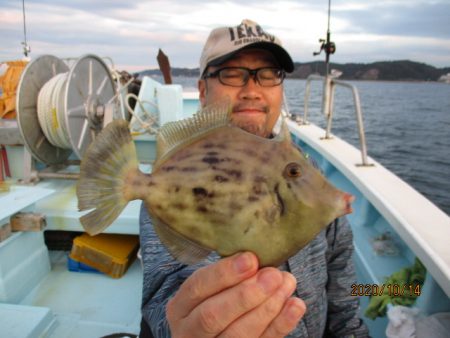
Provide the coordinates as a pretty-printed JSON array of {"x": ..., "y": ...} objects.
[
  {"x": 150, "y": 123},
  {"x": 51, "y": 111}
]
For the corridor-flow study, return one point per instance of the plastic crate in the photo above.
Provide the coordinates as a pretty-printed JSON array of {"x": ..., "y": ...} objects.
[
  {"x": 111, "y": 254},
  {"x": 75, "y": 266}
]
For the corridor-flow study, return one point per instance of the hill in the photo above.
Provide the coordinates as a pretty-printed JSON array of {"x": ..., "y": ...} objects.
[{"x": 403, "y": 70}]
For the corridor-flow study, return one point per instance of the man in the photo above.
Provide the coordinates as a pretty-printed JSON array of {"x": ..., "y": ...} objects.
[{"x": 309, "y": 295}]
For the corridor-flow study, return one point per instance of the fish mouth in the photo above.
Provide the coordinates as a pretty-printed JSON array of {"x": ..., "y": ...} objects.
[{"x": 348, "y": 199}]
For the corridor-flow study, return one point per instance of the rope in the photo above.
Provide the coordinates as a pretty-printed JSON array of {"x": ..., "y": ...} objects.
[
  {"x": 51, "y": 112},
  {"x": 149, "y": 122}
]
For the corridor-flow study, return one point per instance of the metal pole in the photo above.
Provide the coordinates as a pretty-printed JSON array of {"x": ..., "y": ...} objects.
[
  {"x": 327, "y": 54},
  {"x": 26, "y": 49}
]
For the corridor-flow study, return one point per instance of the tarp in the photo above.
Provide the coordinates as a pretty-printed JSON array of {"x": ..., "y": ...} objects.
[{"x": 9, "y": 81}]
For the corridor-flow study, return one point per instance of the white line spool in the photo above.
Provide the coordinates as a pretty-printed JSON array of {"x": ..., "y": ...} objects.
[{"x": 61, "y": 110}]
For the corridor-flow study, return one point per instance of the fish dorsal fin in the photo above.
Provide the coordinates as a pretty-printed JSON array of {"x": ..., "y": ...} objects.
[
  {"x": 181, "y": 248},
  {"x": 177, "y": 133}
]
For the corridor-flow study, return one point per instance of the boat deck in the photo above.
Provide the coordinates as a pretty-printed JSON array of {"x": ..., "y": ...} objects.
[
  {"x": 87, "y": 304},
  {"x": 39, "y": 296}
]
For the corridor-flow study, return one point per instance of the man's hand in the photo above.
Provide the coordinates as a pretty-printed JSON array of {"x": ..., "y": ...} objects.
[{"x": 232, "y": 298}]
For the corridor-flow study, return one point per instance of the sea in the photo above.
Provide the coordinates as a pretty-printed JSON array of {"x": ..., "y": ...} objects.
[{"x": 407, "y": 127}]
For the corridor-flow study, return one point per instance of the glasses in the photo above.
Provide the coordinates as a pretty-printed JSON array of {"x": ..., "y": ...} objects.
[{"x": 239, "y": 76}]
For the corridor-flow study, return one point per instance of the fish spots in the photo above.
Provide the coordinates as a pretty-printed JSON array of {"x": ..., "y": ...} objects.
[
  {"x": 189, "y": 169},
  {"x": 266, "y": 157},
  {"x": 233, "y": 173},
  {"x": 210, "y": 160},
  {"x": 173, "y": 189},
  {"x": 260, "y": 179},
  {"x": 210, "y": 145},
  {"x": 203, "y": 198},
  {"x": 169, "y": 168},
  {"x": 250, "y": 152},
  {"x": 180, "y": 206},
  {"x": 213, "y": 159},
  {"x": 220, "y": 179},
  {"x": 253, "y": 198},
  {"x": 202, "y": 209},
  {"x": 200, "y": 192}
]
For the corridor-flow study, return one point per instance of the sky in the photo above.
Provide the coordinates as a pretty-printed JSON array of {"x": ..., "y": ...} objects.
[{"x": 131, "y": 32}]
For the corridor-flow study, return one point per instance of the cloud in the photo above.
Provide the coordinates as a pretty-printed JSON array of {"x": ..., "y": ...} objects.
[
  {"x": 400, "y": 18},
  {"x": 132, "y": 32}
]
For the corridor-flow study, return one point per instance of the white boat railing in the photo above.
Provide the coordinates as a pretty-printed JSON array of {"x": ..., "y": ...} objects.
[{"x": 329, "y": 87}]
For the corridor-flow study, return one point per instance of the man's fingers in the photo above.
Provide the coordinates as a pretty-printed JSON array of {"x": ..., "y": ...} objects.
[
  {"x": 214, "y": 315},
  {"x": 211, "y": 280},
  {"x": 293, "y": 310},
  {"x": 255, "y": 322}
]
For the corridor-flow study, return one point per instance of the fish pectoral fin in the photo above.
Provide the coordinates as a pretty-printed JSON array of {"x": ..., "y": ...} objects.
[{"x": 180, "y": 247}]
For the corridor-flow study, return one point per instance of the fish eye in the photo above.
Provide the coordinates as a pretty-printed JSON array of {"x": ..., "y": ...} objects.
[{"x": 292, "y": 170}]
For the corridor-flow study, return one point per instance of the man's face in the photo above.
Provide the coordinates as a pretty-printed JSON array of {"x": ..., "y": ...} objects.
[{"x": 255, "y": 108}]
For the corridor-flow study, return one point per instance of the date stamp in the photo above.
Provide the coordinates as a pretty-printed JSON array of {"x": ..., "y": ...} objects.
[{"x": 391, "y": 290}]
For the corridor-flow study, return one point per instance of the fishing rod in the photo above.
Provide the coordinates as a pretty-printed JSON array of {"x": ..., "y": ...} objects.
[
  {"x": 326, "y": 45},
  {"x": 26, "y": 48}
]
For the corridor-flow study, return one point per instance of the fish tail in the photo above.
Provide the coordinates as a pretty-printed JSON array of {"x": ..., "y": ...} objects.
[{"x": 103, "y": 176}]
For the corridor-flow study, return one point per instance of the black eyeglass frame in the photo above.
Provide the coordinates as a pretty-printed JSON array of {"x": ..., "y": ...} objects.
[{"x": 250, "y": 73}]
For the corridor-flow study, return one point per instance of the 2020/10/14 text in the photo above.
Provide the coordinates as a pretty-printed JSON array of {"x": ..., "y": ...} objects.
[{"x": 392, "y": 290}]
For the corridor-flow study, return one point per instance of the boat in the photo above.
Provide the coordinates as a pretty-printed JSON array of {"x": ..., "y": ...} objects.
[
  {"x": 45, "y": 292},
  {"x": 41, "y": 297},
  {"x": 445, "y": 78}
]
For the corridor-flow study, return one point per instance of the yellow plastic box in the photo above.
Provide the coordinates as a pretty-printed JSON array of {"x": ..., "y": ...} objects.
[{"x": 111, "y": 254}]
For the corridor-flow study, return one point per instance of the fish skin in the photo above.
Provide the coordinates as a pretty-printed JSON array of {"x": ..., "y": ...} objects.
[{"x": 229, "y": 191}]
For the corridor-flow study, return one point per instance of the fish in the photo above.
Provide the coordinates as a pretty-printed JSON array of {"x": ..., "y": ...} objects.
[{"x": 213, "y": 187}]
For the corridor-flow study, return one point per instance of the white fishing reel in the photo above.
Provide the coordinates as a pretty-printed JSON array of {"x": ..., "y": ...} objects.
[{"x": 60, "y": 109}]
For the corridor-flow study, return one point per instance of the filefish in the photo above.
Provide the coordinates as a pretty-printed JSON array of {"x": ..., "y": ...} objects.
[{"x": 213, "y": 187}]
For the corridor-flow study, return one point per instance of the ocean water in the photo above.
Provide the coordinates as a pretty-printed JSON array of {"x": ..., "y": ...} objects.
[{"x": 407, "y": 127}]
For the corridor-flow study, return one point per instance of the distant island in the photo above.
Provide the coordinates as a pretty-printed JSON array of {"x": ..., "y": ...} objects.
[{"x": 403, "y": 70}]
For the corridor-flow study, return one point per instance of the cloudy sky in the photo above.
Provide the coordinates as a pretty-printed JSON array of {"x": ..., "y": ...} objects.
[{"x": 130, "y": 32}]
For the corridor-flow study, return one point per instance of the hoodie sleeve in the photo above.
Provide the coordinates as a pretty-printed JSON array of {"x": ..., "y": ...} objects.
[
  {"x": 343, "y": 309},
  {"x": 163, "y": 276}
]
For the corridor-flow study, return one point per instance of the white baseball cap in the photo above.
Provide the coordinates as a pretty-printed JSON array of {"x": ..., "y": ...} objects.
[{"x": 224, "y": 42}]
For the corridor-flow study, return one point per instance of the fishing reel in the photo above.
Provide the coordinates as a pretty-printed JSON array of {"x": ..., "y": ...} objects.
[{"x": 325, "y": 45}]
